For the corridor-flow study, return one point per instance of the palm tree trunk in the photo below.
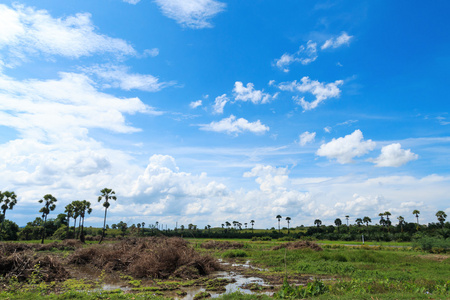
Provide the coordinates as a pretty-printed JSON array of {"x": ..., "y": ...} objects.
[
  {"x": 104, "y": 227},
  {"x": 43, "y": 230},
  {"x": 82, "y": 231}
]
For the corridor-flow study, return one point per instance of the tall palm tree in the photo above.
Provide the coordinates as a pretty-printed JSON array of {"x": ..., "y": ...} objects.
[
  {"x": 401, "y": 221},
  {"x": 367, "y": 220},
  {"x": 317, "y": 222},
  {"x": 85, "y": 207},
  {"x": 441, "y": 215},
  {"x": 49, "y": 205},
  {"x": 382, "y": 221},
  {"x": 338, "y": 223},
  {"x": 107, "y": 194},
  {"x": 253, "y": 223},
  {"x": 288, "y": 219},
  {"x": 387, "y": 214},
  {"x": 69, "y": 210},
  {"x": 417, "y": 213},
  {"x": 347, "y": 217},
  {"x": 359, "y": 221},
  {"x": 279, "y": 218},
  {"x": 7, "y": 201}
]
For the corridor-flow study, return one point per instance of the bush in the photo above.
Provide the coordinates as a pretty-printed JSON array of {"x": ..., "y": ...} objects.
[
  {"x": 234, "y": 253},
  {"x": 432, "y": 244}
]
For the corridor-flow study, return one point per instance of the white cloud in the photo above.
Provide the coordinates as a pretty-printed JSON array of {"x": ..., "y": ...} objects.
[
  {"x": 191, "y": 13},
  {"x": 248, "y": 93},
  {"x": 394, "y": 156},
  {"x": 327, "y": 129},
  {"x": 69, "y": 105},
  {"x": 346, "y": 148},
  {"x": 307, "y": 137},
  {"x": 233, "y": 125},
  {"x": 343, "y": 39},
  {"x": 219, "y": 104},
  {"x": 132, "y": 1},
  {"x": 25, "y": 31},
  {"x": 269, "y": 178},
  {"x": 195, "y": 104},
  {"x": 119, "y": 77},
  {"x": 320, "y": 90},
  {"x": 304, "y": 55},
  {"x": 151, "y": 52}
]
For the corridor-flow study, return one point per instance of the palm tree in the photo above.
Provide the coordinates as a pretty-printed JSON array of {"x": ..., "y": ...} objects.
[
  {"x": 367, "y": 220},
  {"x": 317, "y": 222},
  {"x": 359, "y": 221},
  {"x": 288, "y": 219},
  {"x": 85, "y": 207},
  {"x": 382, "y": 221},
  {"x": 347, "y": 217},
  {"x": 338, "y": 223},
  {"x": 279, "y": 218},
  {"x": 387, "y": 214},
  {"x": 441, "y": 215},
  {"x": 107, "y": 194},
  {"x": 49, "y": 206},
  {"x": 401, "y": 221},
  {"x": 417, "y": 213},
  {"x": 69, "y": 210},
  {"x": 7, "y": 200},
  {"x": 253, "y": 223}
]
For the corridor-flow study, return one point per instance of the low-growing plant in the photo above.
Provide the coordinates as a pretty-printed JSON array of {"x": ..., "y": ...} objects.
[{"x": 234, "y": 253}]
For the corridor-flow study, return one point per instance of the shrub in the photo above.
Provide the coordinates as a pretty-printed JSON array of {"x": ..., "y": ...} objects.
[{"x": 234, "y": 253}]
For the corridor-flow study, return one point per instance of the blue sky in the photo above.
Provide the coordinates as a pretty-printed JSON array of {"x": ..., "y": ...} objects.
[{"x": 206, "y": 111}]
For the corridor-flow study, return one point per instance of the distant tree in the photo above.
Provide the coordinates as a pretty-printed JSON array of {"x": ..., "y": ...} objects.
[
  {"x": 382, "y": 221},
  {"x": 49, "y": 205},
  {"x": 347, "y": 217},
  {"x": 182, "y": 227},
  {"x": 401, "y": 221},
  {"x": 122, "y": 226},
  {"x": 245, "y": 224},
  {"x": 227, "y": 224},
  {"x": 106, "y": 194},
  {"x": 138, "y": 225},
  {"x": 338, "y": 223},
  {"x": 388, "y": 221},
  {"x": 416, "y": 213},
  {"x": 7, "y": 201},
  {"x": 85, "y": 207},
  {"x": 367, "y": 220},
  {"x": 253, "y": 223},
  {"x": 69, "y": 210},
  {"x": 441, "y": 215},
  {"x": 317, "y": 222},
  {"x": 359, "y": 222},
  {"x": 288, "y": 219},
  {"x": 279, "y": 218}
]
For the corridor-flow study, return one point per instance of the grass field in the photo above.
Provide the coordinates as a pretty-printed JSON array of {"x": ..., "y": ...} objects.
[{"x": 381, "y": 271}]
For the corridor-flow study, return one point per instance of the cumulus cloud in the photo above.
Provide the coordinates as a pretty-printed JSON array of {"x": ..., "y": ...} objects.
[
  {"x": 25, "y": 32},
  {"x": 232, "y": 125},
  {"x": 304, "y": 55},
  {"x": 346, "y": 148},
  {"x": 119, "y": 77},
  {"x": 394, "y": 156},
  {"x": 248, "y": 93},
  {"x": 194, "y": 14},
  {"x": 219, "y": 104},
  {"x": 321, "y": 91},
  {"x": 343, "y": 39},
  {"x": 195, "y": 104},
  {"x": 43, "y": 109},
  {"x": 306, "y": 138},
  {"x": 151, "y": 52}
]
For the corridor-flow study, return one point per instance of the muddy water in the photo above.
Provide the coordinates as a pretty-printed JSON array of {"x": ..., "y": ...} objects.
[{"x": 239, "y": 281}]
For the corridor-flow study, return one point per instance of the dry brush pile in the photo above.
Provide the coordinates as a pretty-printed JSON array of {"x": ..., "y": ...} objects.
[
  {"x": 299, "y": 245},
  {"x": 222, "y": 245},
  {"x": 156, "y": 257}
]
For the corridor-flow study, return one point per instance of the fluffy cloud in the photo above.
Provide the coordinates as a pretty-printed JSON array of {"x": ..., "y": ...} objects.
[
  {"x": 235, "y": 126},
  {"x": 307, "y": 137},
  {"x": 394, "y": 156},
  {"x": 304, "y": 55},
  {"x": 119, "y": 77},
  {"x": 51, "y": 108},
  {"x": 346, "y": 148},
  {"x": 219, "y": 104},
  {"x": 195, "y": 104},
  {"x": 248, "y": 93},
  {"x": 343, "y": 39},
  {"x": 25, "y": 31},
  {"x": 320, "y": 90},
  {"x": 191, "y": 13},
  {"x": 132, "y": 1},
  {"x": 174, "y": 191}
]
